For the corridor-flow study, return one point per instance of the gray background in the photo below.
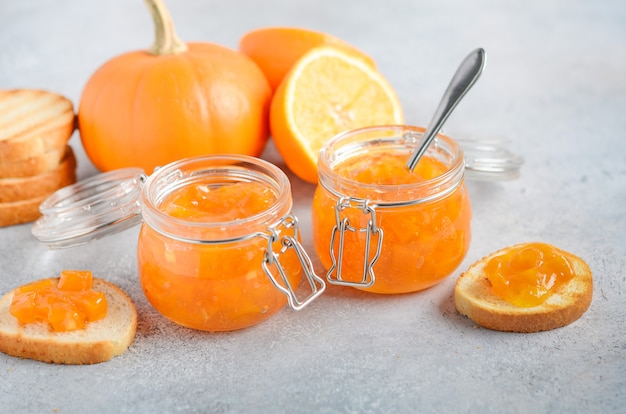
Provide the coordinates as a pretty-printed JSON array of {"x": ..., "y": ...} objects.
[{"x": 554, "y": 85}]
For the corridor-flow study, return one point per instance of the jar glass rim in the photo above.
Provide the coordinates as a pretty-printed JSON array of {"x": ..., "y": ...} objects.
[
  {"x": 222, "y": 169},
  {"x": 400, "y": 137}
]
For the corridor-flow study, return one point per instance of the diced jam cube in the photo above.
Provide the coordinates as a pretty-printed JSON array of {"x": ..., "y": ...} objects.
[
  {"x": 75, "y": 280},
  {"x": 34, "y": 286},
  {"x": 93, "y": 305},
  {"x": 64, "y": 315}
]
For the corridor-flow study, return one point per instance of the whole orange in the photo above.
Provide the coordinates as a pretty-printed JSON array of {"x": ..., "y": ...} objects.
[{"x": 149, "y": 108}]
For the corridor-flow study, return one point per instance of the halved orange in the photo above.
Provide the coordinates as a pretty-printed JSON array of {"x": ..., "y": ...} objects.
[
  {"x": 327, "y": 91},
  {"x": 276, "y": 49}
]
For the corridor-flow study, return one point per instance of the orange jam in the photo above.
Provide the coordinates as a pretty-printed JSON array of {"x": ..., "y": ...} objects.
[
  {"x": 67, "y": 304},
  {"x": 201, "y": 202},
  {"x": 527, "y": 275},
  {"x": 424, "y": 216},
  {"x": 389, "y": 169},
  {"x": 207, "y": 285}
]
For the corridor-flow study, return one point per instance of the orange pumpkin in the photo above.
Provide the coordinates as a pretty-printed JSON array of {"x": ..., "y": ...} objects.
[{"x": 149, "y": 108}]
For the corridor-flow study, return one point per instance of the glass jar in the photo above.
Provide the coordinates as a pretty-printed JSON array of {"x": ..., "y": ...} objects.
[
  {"x": 219, "y": 271},
  {"x": 218, "y": 248},
  {"x": 379, "y": 227}
]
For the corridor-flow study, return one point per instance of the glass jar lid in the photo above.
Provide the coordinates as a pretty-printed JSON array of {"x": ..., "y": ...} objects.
[
  {"x": 490, "y": 160},
  {"x": 104, "y": 204}
]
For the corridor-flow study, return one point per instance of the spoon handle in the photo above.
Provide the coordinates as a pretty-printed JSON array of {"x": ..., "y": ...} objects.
[{"x": 466, "y": 75}]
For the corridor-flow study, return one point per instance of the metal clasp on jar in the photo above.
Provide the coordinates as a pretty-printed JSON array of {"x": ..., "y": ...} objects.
[
  {"x": 342, "y": 226},
  {"x": 273, "y": 235}
]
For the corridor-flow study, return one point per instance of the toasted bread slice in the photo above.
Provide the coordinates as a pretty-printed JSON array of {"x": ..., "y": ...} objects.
[
  {"x": 475, "y": 298},
  {"x": 36, "y": 165},
  {"x": 98, "y": 342},
  {"x": 33, "y": 122},
  {"x": 24, "y": 188},
  {"x": 27, "y": 209},
  {"x": 19, "y": 212}
]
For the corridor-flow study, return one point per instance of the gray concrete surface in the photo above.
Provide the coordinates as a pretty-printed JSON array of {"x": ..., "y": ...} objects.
[{"x": 554, "y": 85}]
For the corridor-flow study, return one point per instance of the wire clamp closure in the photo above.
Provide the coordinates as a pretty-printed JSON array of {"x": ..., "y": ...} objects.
[
  {"x": 373, "y": 234},
  {"x": 271, "y": 260}
]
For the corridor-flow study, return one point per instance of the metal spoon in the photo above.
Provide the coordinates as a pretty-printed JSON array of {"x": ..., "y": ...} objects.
[{"x": 466, "y": 75}]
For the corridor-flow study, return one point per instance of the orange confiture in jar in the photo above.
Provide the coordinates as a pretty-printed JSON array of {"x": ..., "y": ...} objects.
[
  {"x": 528, "y": 275},
  {"x": 380, "y": 227},
  {"x": 218, "y": 247}
]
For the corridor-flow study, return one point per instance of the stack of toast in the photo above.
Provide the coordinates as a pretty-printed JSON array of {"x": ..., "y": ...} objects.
[{"x": 35, "y": 158}]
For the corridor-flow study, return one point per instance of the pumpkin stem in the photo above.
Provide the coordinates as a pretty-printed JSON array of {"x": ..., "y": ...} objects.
[{"x": 166, "y": 41}]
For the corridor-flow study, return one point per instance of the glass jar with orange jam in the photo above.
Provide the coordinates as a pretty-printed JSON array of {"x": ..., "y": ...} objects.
[
  {"x": 378, "y": 226},
  {"x": 218, "y": 249}
]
